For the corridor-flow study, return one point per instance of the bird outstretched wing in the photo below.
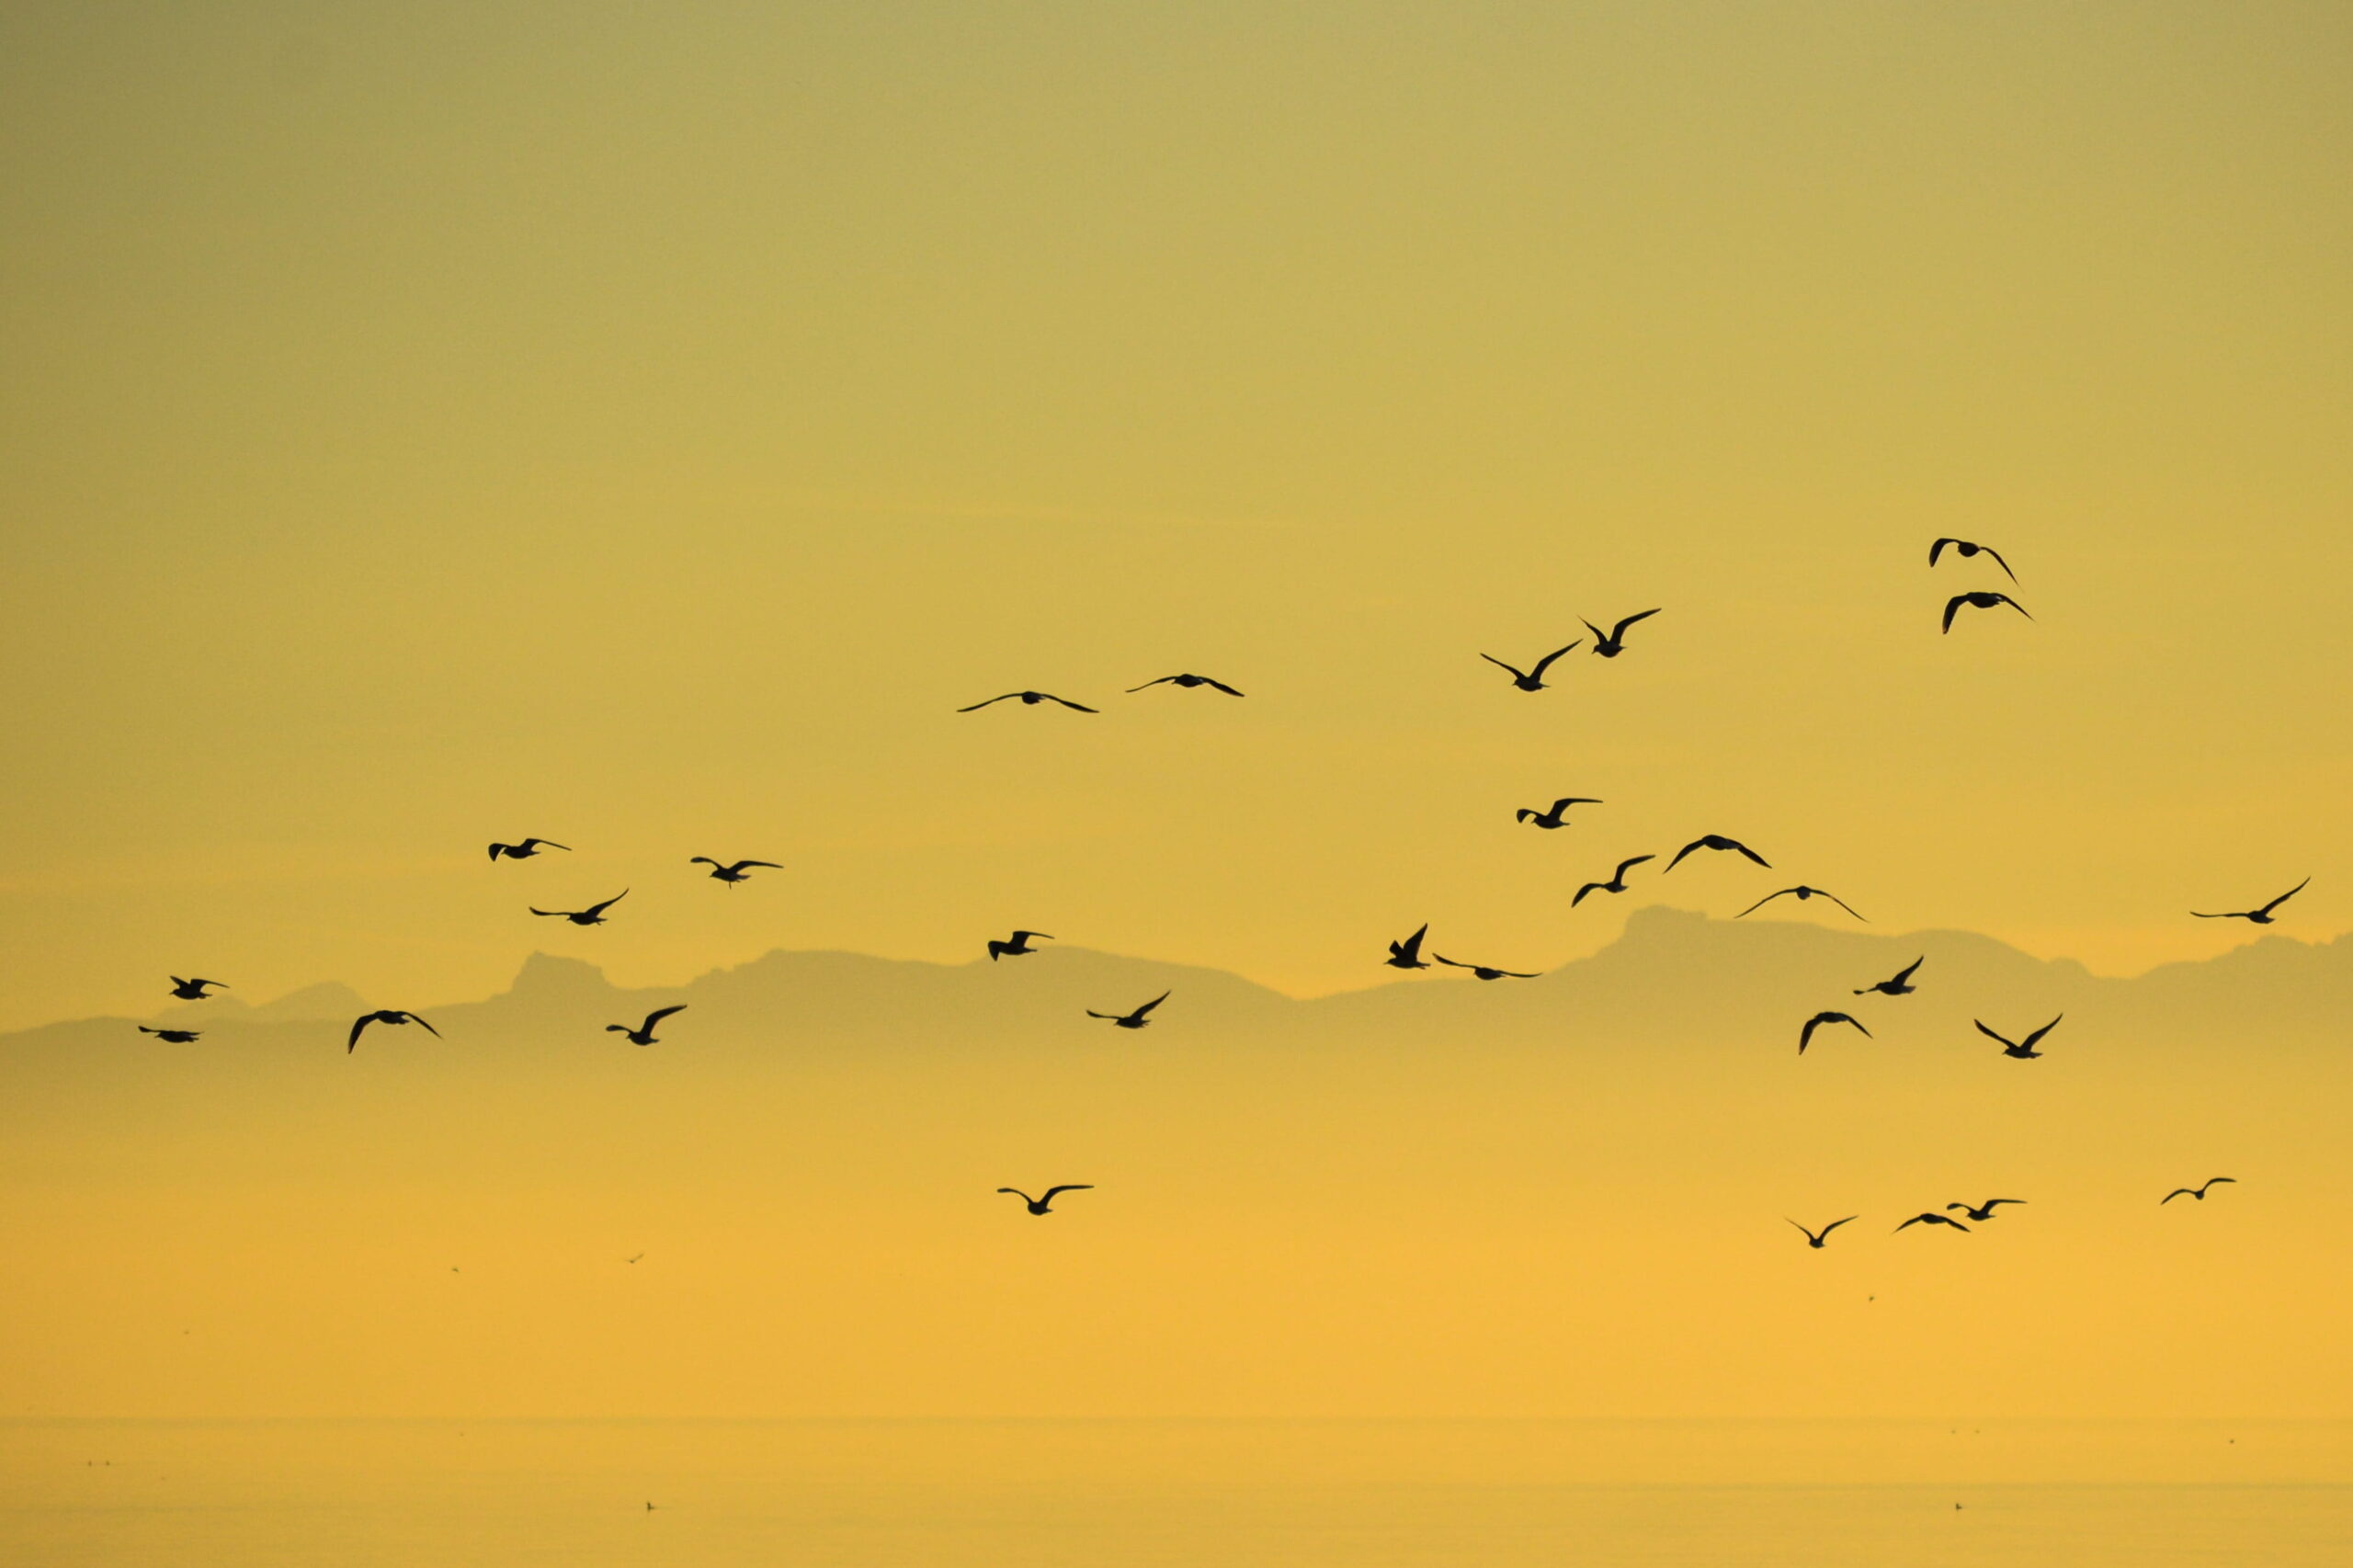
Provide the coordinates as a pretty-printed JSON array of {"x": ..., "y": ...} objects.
[
  {"x": 1618, "y": 631},
  {"x": 975, "y": 707},
  {"x": 1990, "y": 1034},
  {"x": 352, "y": 1044},
  {"x": 1162, "y": 681},
  {"x": 1546, "y": 662},
  {"x": 1762, "y": 903},
  {"x": 1048, "y": 1195},
  {"x": 1067, "y": 702},
  {"x": 420, "y": 1023},
  {"x": 1148, "y": 1007},
  {"x": 2285, "y": 896},
  {"x": 1517, "y": 673},
  {"x": 659, "y": 1013},
  {"x": 2028, "y": 1044},
  {"x": 1953, "y": 608}
]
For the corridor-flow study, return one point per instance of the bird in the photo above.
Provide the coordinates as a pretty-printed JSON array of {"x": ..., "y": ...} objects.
[
  {"x": 193, "y": 990},
  {"x": 2196, "y": 1192},
  {"x": 1188, "y": 681},
  {"x": 592, "y": 916},
  {"x": 1017, "y": 948},
  {"x": 1816, "y": 1238},
  {"x": 1806, "y": 1035},
  {"x": 526, "y": 849},
  {"x": 1407, "y": 954},
  {"x": 1717, "y": 841},
  {"x": 1530, "y": 680},
  {"x": 1980, "y": 600},
  {"x": 1612, "y": 642},
  {"x": 1932, "y": 1219},
  {"x": 1802, "y": 894},
  {"x": 1483, "y": 971},
  {"x": 1616, "y": 883},
  {"x": 643, "y": 1033},
  {"x": 1551, "y": 816},
  {"x": 2022, "y": 1048},
  {"x": 178, "y": 1037},
  {"x": 1031, "y": 700},
  {"x": 1964, "y": 549},
  {"x": 634, "y": 1260},
  {"x": 730, "y": 875},
  {"x": 1134, "y": 1020},
  {"x": 1899, "y": 984},
  {"x": 384, "y": 1016},
  {"x": 1983, "y": 1211},
  {"x": 2257, "y": 916},
  {"x": 1045, "y": 1205}
]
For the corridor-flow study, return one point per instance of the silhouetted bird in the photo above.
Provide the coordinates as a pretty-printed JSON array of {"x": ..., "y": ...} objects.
[
  {"x": 1979, "y": 601},
  {"x": 1483, "y": 971},
  {"x": 1899, "y": 984},
  {"x": 1716, "y": 841},
  {"x": 2257, "y": 916},
  {"x": 1017, "y": 948},
  {"x": 1612, "y": 642},
  {"x": 1933, "y": 1220},
  {"x": 1407, "y": 954},
  {"x": 1964, "y": 549},
  {"x": 2022, "y": 1048},
  {"x": 1134, "y": 1020},
  {"x": 1029, "y": 700},
  {"x": 526, "y": 849},
  {"x": 1188, "y": 681},
  {"x": 385, "y": 1015},
  {"x": 2196, "y": 1192},
  {"x": 1802, "y": 894},
  {"x": 1983, "y": 1211},
  {"x": 740, "y": 871},
  {"x": 592, "y": 916},
  {"x": 1551, "y": 816},
  {"x": 1616, "y": 883},
  {"x": 634, "y": 1260},
  {"x": 1806, "y": 1035},
  {"x": 193, "y": 990},
  {"x": 1530, "y": 680},
  {"x": 178, "y": 1037},
  {"x": 643, "y": 1033},
  {"x": 1816, "y": 1238},
  {"x": 1045, "y": 1205}
]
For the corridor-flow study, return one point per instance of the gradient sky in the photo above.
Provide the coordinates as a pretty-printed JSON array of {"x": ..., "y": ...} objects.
[{"x": 643, "y": 426}]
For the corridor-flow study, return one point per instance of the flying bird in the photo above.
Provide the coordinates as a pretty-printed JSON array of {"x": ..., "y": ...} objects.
[
  {"x": 1900, "y": 982},
  {"x": 1816, "y": 1238},
  {"x": 1964, "y": 549},
  {"x": 1030, "y": 699},
  {"x": 1716, "y": 841},
  {"x": 2196, "y": 1192},
  {"x": 1612, "y": 642},
  {"x": 2022, "y": 1048},
  {"x": 178, "y": 1037},
  {"x": 1188, "y": 682},
  {"x": 1483, "y": 971},
  {"x": 1616, "y": 883},
  {"x": 1551, "y": 816},
  {"x": 1407, "y": 954},
  {"x": 1045, "y": 1205},
  {"x": 1017, "y": 948},
  {"x": 1806, "y": 1035},
  {"x": 1979, "y": 601},
  {"x": 1802, "y": 894},
  {"x": 1134, "y": 1020},
  {"x": 1530, "y": 680},
  {"x": 1983, "y": 1211},
  {"x": 1933, "y": 1220},
  {"x": 193, "y": 990},
  {"x": 592, "y": 916},
  {"x": 643, "y": 1033},
  {"x": 634, "y": 1260},
  {"x": 384, "y": 1016},
  {"x": 740, "y": 871},
  {"x": 2257, "y": 916},
  {"x": 526, "y": 849}
]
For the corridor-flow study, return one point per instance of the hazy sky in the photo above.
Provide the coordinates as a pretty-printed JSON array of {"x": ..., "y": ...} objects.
[{"x": 643, "y": 426}]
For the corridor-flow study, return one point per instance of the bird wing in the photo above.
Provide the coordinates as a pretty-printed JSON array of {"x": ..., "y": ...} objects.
[
  {"x": 1993, "y": 1202},
  {"x": 2285, "y": 897},
  {"x": 1565, "y": 801},
  {"x": 1938, "y": 549},
  {"x": 2028, "y": 1044},
  {"x": 1990, "y": 1034},
  {"x": 1516, "y": 975},
  {"x": 420, "y": 1023},
  {"x": 1584, "y": 889},
  {"x": 1835, "y": 1223},
  {"x": 1999, "y": 562},
  {"x": 1751, "y": 854},
  {"x": 1162, "y": 681},
  {"x": 1450, "y": 963},
  {"x": 1908, "y": 971},
  {"x": 1619, "y": 631},
  {"x": 659, "y": 1013},
  {"x": 747, "y": 865},
  {"x": 1148, "y": 1007},
  {"x": 1802, "y": 1230},
  {"x": 1518, "y": 674},
  {"x": 1848, "y": 1018},
  {"x": 1411, "y": 947},
  {"x": 981, "y": 705},
  {"x": 2005, "y": 598},
  {"x": 1917, "y": 1219},
  {"x": 2232, "y": 915},
  {"x": 2177, "y": 1192},
  {"x": 1844, "y": 904},
  {"x": 357, "y": 1024},
  {"x": 1601, "y": 636},
  {"x": 1093, "y": 1014},
  {"x": 600, "y": 908},
  {"x": 1546, "y": 662},
  {"x": 1625, "y": 866},
  {"x": 1017, "y": 1193},
  {"x": 2222, "y": 1181},
  {"x": 1953, "y": 608},
  {"x": 497, "y": 850},
  {"x": 1695, "y": 843},
  {"x": 1762, "y": 903},
  {"x": 1222, "y": 686},
  {"x": 1067, "y": 702},
  {"x": 535, "y": 910},
  {"x": 702, "y": 860},
  {"x": 1048, "y": 1195},
  {"x": 1806, "y": 1035}
]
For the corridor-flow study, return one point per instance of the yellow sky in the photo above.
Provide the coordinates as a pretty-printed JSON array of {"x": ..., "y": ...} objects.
[{"x": 644, "y": 426}]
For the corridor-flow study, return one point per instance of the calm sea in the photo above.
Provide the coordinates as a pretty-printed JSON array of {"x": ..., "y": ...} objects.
[{"x": 1139, "y": 1494}]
